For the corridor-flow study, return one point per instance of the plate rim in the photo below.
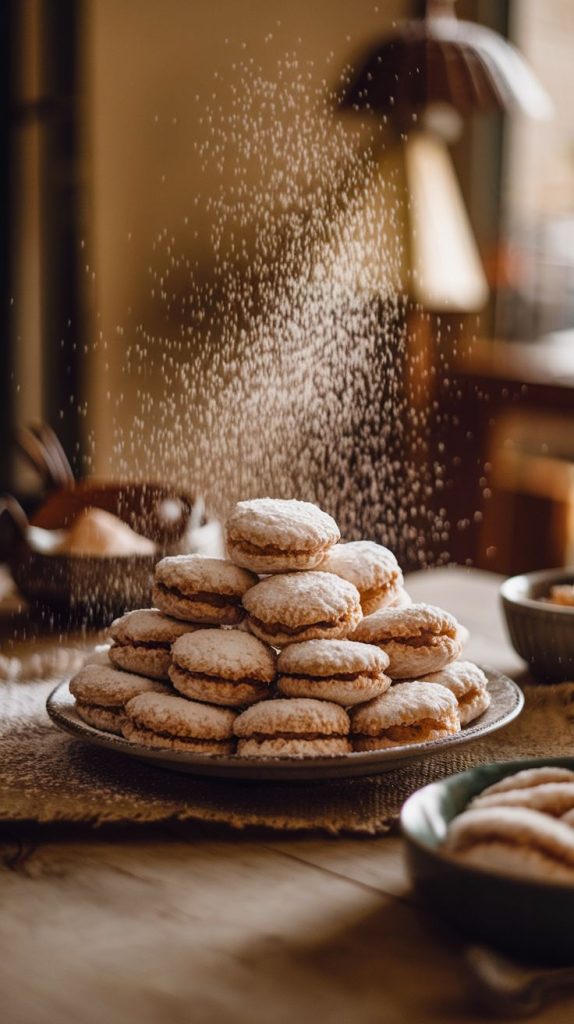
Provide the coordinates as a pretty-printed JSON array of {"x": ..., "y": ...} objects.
[{"x": 60, "y": 709}]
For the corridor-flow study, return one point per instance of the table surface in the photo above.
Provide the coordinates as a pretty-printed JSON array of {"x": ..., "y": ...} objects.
[{"x": 190, "y": 923}]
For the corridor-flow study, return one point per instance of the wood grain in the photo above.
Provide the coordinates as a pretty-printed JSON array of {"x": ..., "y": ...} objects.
[{"x": 193, "y": 924}]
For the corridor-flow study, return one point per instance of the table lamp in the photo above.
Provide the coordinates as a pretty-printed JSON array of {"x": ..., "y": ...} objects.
[{"x": 423, "y": 78}]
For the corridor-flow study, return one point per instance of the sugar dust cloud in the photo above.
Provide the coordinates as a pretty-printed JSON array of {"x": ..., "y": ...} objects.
[{"x": 283, "y": 364}]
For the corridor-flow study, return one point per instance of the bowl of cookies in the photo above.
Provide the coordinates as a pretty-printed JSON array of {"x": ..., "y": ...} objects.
[
  {"x": 539, "y": 612},
  {"x": 491, "y": 850},
  {"x": 296, "y": 656}
]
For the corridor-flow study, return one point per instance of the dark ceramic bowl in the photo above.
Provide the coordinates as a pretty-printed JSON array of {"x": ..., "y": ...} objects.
[
  {"x": 88, "y": 589},
  {"x": 531, "y": 920},
  {"x": 541, "y": 633}
]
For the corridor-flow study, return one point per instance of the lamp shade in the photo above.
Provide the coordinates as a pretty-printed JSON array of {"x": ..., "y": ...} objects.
[
  {"x": 430, "y": 253},
  {"x": 440, "y": 59}
]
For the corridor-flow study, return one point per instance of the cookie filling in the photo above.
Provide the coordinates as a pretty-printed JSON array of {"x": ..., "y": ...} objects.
[
  {"x": 176, "y": 736},
  {"x": 148, "y": 645},
  {"x": 343, "y": 677},
  {"x": 280, "y": 627},
  {"x": 116, "y": 709},
  {"x": 269, "y": 549},
  {"x": 408, "y": 733},
  {"x": 381, "y": 589},
  {"x": 200, "y": 596},
  {"x": 424, "y": 640},
  {"x": 264, "y": 737},
  {"x": 202, "y": 677},
  {"x": 470, "y": 697}
]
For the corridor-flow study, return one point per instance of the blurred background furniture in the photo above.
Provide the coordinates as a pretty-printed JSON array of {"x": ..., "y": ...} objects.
[
  {"x": 515, "y": 402},
  {"x": 93, "y": 122}
]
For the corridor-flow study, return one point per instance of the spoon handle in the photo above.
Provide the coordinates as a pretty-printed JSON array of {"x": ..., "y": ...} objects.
[
  {"x": 41, "y": 447},
  {"x": 54, "y": 453}
]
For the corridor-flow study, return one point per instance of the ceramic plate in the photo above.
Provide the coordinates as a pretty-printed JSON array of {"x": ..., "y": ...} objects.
[{"x": 507, "y": 702}]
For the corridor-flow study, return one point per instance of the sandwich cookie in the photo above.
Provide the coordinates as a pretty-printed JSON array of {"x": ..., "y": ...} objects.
[
  {"x": 101, "y": 694},
  {"x": 165, "y": 722},
  {"x": 198, "y": 589},
  {"x": 407, "y": 713},
  {"x": 372, "y": 568},
  {"x": 528, "y": 778},
  {"x": 418, "y": 639},
  {"x": 469, "y": 685},
  {"x": 293, "y": 728},
  {"x": 302, "y": 606},
  {"x": 270, "y": 535},
  {"x": 547, "y": 779},
  {"x": 552, "y": 798},
  {"x": 223, "y": 666},
  {"x": 337, "y": 670},
  {"x": 515, "y": 841},
  {"x": 142, "y": 641}
]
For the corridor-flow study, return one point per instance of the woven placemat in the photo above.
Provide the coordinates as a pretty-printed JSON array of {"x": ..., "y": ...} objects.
[{"x": 47, "y": 776}]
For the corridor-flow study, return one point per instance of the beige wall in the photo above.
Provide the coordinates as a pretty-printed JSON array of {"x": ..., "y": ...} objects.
[
  {"x": 148, "y": 61},
  {"x": 540, "y": 158}
]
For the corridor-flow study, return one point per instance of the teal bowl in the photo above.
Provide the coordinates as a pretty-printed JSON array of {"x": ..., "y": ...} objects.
[{"x": 530, "y": 920}]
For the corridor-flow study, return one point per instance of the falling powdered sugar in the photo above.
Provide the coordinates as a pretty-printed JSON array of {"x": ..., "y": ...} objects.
[{"x": 285, "y": 359}]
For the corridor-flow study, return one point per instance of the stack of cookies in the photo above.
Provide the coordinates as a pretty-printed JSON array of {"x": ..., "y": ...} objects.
[{"x": 296, "y": 646}]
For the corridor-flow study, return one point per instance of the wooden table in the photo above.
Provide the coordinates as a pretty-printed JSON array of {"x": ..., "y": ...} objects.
[{"x": 182, "y": 925}]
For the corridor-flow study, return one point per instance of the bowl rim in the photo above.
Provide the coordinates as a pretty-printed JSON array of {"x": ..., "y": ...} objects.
[
  {"x": 449, "y": 860},
  {"x": 100, "y": 561},
  {"x": 510, "y": 590}
]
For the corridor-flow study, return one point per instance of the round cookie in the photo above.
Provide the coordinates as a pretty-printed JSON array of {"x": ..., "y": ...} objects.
[
  {"x": 199, "y": 589},
  {"x": 341, "y": 671},
  {"x": 407, "y": 713},
  {"x": 165, "y": 722},
  {"x": 372, "y": 568},
  {"x": 529, "y": 778},
  {"x": 102, "y": 692},
  {"x": 272, "y": 535},
  {"x": 142, "y": 641},
  {"x": 513, "y": 840},
  {"x": 223, "y": 666},
  {"x": 469, "y": 685},
  {"x": 418, "y": 639},
  {"x": 293, "y": 728},
  {"x": 302, "y": 606},
  {"x": 553, "y": 798}
]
